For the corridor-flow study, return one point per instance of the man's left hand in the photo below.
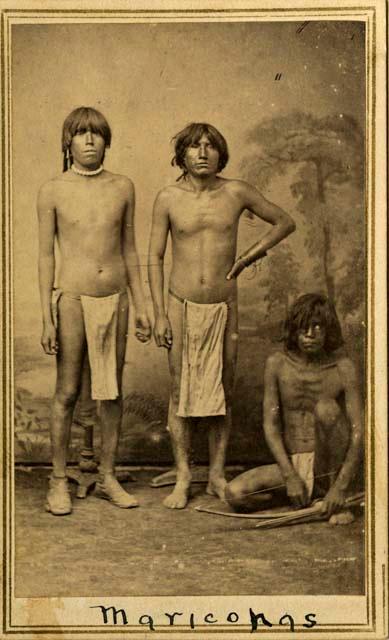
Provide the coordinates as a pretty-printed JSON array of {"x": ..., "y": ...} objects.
[
  {"x": 237, "y": 268},
  {"x": 142, "y": 328},
  {"x": 334, "y": 500}
]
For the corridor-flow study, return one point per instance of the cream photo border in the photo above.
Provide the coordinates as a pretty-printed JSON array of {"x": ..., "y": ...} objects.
[{"x": 338, "y": 616}]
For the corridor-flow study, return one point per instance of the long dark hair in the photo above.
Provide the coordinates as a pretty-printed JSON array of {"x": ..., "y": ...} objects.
[
  {"x": 192, "y": 134},
  {"x": 306, "y": 308}
]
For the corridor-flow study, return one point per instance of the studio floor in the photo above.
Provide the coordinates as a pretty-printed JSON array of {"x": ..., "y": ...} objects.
[{"x": 152, "y": 551}]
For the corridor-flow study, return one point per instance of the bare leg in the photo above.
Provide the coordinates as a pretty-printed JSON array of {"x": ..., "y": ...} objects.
[
  {"x": 110, "y": 418},
  {"x": 331, "y": 444},
  {"x": 219, "y": 433},
  {"x": 248, "y": 491},
  {"x": 86, "y": 417},
  {"x": 179, "y": 428},
  {"x": 110, "y": 415},
  {"x": 111, "y": 410},
  {"x": 85, "y": 414},
  {"x": 328, "y": 424},
  {"x": 199, "y": 475},
  {"x": 220, "y": 427},
  {"x": 71, "y": 339}
]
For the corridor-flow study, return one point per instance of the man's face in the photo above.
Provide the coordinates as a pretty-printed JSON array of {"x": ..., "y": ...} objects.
[
  {"x": 311, "y": 340},
  {"x": 87, "y": 149},
  {"x": 202, "y": 158}
]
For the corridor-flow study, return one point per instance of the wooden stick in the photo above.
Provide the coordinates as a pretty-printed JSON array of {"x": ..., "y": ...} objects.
[
  {"x": 298, "y": 516},
  {"x": 310, "y": 514},
  {"x": 257, "y": 515},
  {"x": 283, "y": 522},
  {"x": 280, "y": 515},
  {"x": 231, "y": 514}
]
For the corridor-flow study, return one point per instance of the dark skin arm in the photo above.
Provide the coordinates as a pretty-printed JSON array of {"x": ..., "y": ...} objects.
[
  {"x": 158, "y": 239},
  {"x": 295, "y": 487},
  {"x": 47, "y": 230},
  {"x": 335, "y": 497},
  {"x": 142, "y": 323},
  {"x": 281, "y": 222}
]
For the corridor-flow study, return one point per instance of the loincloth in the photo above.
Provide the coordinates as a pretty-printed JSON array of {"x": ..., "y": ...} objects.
[
  {"x": 304, "y": 464},
  {"x": 201, "y": 386},
  {"x": 100, "y": 320}
]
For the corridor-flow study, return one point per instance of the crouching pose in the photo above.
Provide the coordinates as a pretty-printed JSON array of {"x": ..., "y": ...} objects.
[
  {"x": 90, "y": 212},
  {"x": 312, "y": 417},
  {"x": 199, "y": 327}
]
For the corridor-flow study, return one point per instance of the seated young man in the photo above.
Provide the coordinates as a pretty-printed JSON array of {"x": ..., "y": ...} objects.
[{"x": 311, "y": 415}]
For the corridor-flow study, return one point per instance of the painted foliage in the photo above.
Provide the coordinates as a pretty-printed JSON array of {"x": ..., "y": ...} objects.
[
  {"x": 289, "y": 97},
  {"x": 318, "y": 163}
]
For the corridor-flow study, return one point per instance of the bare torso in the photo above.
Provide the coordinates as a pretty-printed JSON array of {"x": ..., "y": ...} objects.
[
  {"x": 89, "y": 219},
  {"x": 302, "y": 387},
  {"x": 204, "y": 227}
]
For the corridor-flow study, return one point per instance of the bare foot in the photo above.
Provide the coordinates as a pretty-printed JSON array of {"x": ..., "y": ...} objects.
[
  {"x": 179, "y": 497},
  {"x": 343, "y": 517},
  {"x": 217, "y": 487}
]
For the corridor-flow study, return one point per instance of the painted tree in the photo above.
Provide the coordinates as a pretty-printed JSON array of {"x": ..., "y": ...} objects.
[
  {"x": 327, "y": 153},
  {"x": 282, "y": 282},
  {"x": 276, "y": 279}
]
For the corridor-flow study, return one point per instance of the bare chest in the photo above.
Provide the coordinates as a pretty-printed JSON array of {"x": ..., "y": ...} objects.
[
  {"x": 193, "y": 213},
  {"x": 300, "y": 384},
  {"x": 83, "y": 206}
]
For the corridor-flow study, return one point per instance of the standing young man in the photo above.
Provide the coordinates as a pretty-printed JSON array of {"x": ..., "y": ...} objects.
[
  {"x": 199, "y": 328},
  {"x": 90, "y": 212}
]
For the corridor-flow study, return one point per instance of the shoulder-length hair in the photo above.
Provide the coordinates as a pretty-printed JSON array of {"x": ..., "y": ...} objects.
[
  {"x": 192, "y": 134},
  {"x": 309, "y": 307},
  {"x": 82, "y": 119}
]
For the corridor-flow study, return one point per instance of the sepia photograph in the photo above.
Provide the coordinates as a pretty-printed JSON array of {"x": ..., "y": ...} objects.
[{"x": 194, "y": 319}]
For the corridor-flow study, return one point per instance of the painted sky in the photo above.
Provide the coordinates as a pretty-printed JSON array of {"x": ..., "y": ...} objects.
[{"x": 150, "y": 80}]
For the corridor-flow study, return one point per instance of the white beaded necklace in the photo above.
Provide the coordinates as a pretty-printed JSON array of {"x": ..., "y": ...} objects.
[{"x": 81, "y": 172}]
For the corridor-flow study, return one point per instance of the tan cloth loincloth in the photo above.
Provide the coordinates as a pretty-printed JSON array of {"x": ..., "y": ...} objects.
[
  {"x": 201, "y": 388},
  {"x": 100, "y": 320},
  {"x": 304, "y": 465}
]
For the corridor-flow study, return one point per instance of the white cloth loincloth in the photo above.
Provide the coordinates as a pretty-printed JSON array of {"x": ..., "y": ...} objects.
[
  {"x": 201, "y": 389},
  {"x": 100, "y": 321},
  {"x": 304, "y": 465}
]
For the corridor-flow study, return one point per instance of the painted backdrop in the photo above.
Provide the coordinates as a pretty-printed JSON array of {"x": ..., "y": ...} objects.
[{"x": 289, "y": 98}]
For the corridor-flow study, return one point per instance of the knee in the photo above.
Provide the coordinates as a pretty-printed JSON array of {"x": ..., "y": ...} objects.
[
  {"x": 66, "y": 397},
  {"x": 327, "y": 412},
  {"x": 234, "y": 494}
]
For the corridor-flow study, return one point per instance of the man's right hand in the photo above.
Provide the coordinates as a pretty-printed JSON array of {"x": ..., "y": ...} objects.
[
  {"x": 49, "y": 340},
  {"x": 296, "y": 490},
  {"x": 163, "y": 332},
  {"x": 236, "y": 269}
]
